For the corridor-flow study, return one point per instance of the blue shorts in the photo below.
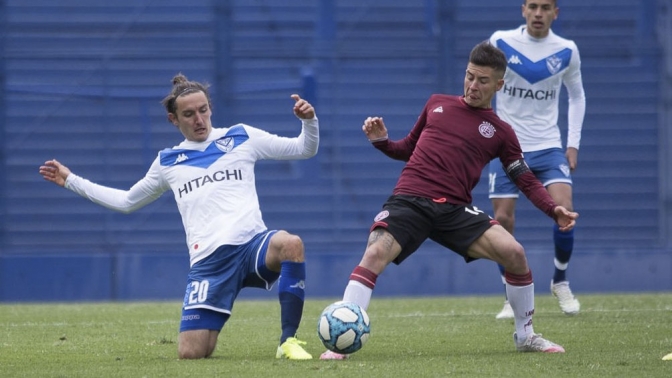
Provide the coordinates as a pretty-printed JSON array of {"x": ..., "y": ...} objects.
[
  {"x": 214, "y": 282},
  {"x": 550, "y": 166}
]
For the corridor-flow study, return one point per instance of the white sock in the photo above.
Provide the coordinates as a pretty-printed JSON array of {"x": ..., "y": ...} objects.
[
  {"x": 559, "y": 265},
  {"x": 358, "y": 293},
  {"x": 521, "y": 299}
]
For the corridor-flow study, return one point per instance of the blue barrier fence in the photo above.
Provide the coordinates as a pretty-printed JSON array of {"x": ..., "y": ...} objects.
[{"x": 82, "y": 83}]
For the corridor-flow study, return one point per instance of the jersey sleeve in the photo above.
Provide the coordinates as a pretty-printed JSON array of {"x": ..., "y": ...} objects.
[
  {"x": 527, "y": 182},
  {"x": 536, "y": 193},
  {"x": 576, "y": 108},
  {"x": 403, "y": 149},
  {"x": 271, "y": 146},
  {"x": 145, "y": 191}
]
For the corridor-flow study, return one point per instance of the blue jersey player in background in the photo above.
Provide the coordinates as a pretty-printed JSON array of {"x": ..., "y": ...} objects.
[
  {"x": 539, "y": 63},
  {"x": 211, "y": 176}
]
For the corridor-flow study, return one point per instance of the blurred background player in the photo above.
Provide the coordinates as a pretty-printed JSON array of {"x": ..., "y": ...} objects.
[
  {"x": 452, "y": 141},
  {"x": 539, "y": 63},
  {"x": 211, "y": 175}
]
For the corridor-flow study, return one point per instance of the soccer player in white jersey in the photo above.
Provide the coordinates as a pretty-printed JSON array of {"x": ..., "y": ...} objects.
[
  {"x": 211, "y": 176},
  {"x": 539, "y": 63}
]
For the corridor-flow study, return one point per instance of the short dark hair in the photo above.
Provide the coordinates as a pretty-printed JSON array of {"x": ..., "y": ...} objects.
[
  {"x": 486, "y": 54},
  {"x": 555, "y": 3},
  {"x": 182, "y": 86}
]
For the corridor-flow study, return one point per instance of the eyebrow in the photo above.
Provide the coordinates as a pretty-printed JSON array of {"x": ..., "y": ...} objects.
[
  {"x": 199, "y": 107},
  {"x": 478, "y": 76}
]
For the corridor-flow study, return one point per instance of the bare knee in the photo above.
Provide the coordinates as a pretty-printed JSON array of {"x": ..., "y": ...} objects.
[
  {"x": 292, "y": 248},
  {"x": 505, "y": 212},
  {"x": 506, "y": 219},
  {"x": 285, "y": 247},
  {"x": 196, "y": 344},
  {"x": 192, "y": 354},
  {"x": 381, "y": 250},
  {"x": 516, "y": 261}
]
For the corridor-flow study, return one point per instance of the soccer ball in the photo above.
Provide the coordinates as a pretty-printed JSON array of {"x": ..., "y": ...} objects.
[{"x": 344, "y": 327}]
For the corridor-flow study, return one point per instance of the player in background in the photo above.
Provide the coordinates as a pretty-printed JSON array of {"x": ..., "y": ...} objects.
[
  {"x": 454, "y": 138},
  {"x": 539, "y": 63},
  {"x": 211, "y": 175}
]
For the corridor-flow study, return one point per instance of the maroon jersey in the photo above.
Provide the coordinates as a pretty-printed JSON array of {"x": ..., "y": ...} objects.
[{"x": 448, "y": 148}]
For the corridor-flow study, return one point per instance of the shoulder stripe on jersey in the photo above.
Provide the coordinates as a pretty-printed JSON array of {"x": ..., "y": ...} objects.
[
  {"x": 233, "y": 138},
  {"x": 537, "y": 71}
]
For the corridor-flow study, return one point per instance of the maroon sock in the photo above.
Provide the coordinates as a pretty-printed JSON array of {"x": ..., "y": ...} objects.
[
  {"x": 518, "y": 279},
  {"x": 364, "y": 276}
]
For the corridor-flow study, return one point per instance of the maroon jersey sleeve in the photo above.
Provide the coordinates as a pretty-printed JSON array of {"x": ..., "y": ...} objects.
[
  {"x": 527, "y": 182},
  {"x": 403, "y": 149},
  {"x": 538, "y": 195}
]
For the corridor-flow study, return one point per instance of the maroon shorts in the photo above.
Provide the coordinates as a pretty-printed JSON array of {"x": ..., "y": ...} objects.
[{"x": 411, "y": 220}]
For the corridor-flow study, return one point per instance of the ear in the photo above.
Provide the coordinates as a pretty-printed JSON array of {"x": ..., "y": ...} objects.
[
  {"x": 172, "y": 118},
  {"x": 500, "y": 84}
]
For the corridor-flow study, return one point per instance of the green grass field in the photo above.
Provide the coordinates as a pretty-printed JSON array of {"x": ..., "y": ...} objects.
[{"x": 613, "y": 336}]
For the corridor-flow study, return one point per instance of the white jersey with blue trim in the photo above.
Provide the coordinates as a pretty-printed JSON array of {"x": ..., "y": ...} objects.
[
  {"x": 528, "y": 101},
  {"x": 213, "y": 183}
]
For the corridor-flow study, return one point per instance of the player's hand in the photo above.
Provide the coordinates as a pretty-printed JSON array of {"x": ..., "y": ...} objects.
[
  {"x": 374, "y": 129},
  {"x": 572, "y": 155},
  {"x": 564, "y": 218},
  {"x": 55, "y": 172},
  {"x": 302, "y": 108}
]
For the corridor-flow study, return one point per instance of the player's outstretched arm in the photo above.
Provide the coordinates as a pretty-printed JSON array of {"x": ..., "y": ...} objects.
[
  {"x": 374, "y": 129},
  {"x": 302, "y": 108},
  {"x": 564, "y": 218},
  {"x": 55, "y": 172}
]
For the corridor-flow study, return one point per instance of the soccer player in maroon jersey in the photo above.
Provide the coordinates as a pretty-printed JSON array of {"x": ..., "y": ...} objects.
[{"x": 454, "y": 138}]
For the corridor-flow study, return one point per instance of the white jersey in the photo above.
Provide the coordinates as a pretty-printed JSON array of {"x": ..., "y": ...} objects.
[
  {"x": 537, "y": 67},
  {"x": 212, "y": 181}
]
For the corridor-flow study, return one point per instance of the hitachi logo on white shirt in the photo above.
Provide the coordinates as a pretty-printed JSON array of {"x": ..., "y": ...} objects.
[
  {"x": 528, "y": 93},
  {"x": 190, "y": 186}
]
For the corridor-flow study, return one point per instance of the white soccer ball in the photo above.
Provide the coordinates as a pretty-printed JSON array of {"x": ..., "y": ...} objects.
[{"x": 344, "y": 327}]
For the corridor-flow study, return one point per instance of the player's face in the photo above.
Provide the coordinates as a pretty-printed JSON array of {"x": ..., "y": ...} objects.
[
  {"x": 539, "y": 15},
  {"x": 192, "y": 116},
  {"x": 480, "y": 85}
]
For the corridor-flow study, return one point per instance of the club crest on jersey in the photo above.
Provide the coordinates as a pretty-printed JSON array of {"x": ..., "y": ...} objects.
[
  {"x": 565, "y": 169},
  {"x": 382, "y": 215},
  {"x": 225, "y": 144},
  {"x": 486, "y": 129},
  {"x": 553, "y": 63}
]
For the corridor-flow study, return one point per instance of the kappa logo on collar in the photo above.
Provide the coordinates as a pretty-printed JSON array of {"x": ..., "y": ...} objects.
[
  {"x": 514, "y": 59},
  {"x": 180, "y": 158}
]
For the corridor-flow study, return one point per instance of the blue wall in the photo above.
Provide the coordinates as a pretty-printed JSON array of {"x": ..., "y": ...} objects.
[{"x": 83, "y": 83}]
